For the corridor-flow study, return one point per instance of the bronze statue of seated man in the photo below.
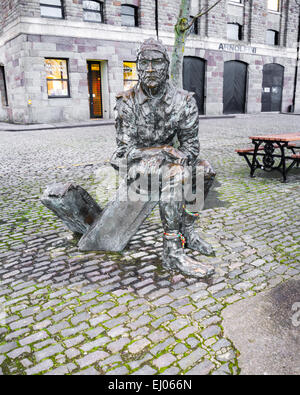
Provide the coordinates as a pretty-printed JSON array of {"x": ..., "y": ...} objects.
[{"x": 149, "y": 117}]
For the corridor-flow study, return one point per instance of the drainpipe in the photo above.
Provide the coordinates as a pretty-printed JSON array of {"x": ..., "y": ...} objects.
[
  {"x": 156, "y": 18},
  {"x": 297, "y": 61}
]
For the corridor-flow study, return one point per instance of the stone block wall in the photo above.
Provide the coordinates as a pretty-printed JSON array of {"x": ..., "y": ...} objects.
[
  {"x": 253, "y": 15},
  {"x": 297, "y": 101},
  {"x": 292, "y": 23},
  {"x": 216, "y": 20},
  {"x": 13, "y": 60},
  {"x": 29, "y": 83},
  {"x": 79, "y": 41},
  {"x": 288, "y": 82},
  {"x": 73, "y": 10},
  {"x": 10, "y": 10},
  {"x": 258, "y": 21},
  {"x": 30, "y": 8},
  {"x": 112, "y": 12},
  {"x": 147, "y": 14},
  {"x": 214, "y": 79},
  {"x": 167, "y": 15}
]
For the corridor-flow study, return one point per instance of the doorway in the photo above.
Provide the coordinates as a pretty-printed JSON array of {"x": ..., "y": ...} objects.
[
  {"x": 272, "y": 85},
  {"x": 234, "y": 87},
  {"x": 95, "y": 92},
  {"x": 3, "y": 91},
  {"x": 194, "y": 79}
]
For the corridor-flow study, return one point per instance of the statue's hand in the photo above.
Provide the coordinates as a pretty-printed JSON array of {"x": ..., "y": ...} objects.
[
  {"x": 162, "y": 152},
  {"x": 174, "y": 155},
  {"x": 144, "y": 167},
  {"x": 145, "y": 153},
  {"x": 149, "y": 159}
]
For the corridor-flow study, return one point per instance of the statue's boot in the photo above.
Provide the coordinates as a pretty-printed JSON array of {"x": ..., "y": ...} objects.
[
  {"x": 174, "y": 257},
  {"x": 192, "y": 237}
]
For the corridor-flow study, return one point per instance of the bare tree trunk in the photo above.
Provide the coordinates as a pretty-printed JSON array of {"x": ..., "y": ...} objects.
[
  {"x": 180, "y": 36},
  {"x": 182, "y": 31}
]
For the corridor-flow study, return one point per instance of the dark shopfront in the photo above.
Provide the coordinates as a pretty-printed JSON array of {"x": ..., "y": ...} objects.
[{"x": 237, "y": 80}]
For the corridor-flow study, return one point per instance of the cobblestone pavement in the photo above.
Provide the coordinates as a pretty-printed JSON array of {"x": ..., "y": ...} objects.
[{"x": 67, "y": 312}]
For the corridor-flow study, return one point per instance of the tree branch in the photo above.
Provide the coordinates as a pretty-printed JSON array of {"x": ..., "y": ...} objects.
[{"x": 201, "y": 13}]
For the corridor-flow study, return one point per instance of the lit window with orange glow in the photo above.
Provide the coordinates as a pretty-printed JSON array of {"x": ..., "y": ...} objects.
[
  {"x": 57, "y": 77},
  {"x": 130, "y": 75}
]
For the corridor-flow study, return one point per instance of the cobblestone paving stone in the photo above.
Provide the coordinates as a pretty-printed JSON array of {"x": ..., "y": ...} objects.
[{"x": 67, "y": 312}]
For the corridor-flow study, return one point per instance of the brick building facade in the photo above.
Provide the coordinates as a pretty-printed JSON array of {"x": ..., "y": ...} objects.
[{"x": 66, "y": 60}]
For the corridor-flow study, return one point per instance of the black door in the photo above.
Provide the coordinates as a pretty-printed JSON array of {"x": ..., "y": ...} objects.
[
  {"x": 234, "y": 87},
  {"x": 272, "y": 87},
  {"x": 94, "y": 80},
  {"x": 194, "y": 79}
]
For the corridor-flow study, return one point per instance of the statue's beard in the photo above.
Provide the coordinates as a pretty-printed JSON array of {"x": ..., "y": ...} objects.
[{"x": 154, "y": 81}]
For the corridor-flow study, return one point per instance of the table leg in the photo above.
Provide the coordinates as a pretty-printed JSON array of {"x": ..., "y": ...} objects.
[
  {"x": 254, "y": 160},
  {"x": 284, "y": 172}
]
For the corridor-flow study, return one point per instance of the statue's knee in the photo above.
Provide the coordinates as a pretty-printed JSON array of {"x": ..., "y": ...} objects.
[
  {"x": 208, "y": 171},
  {"x": 172, "y": 171}
]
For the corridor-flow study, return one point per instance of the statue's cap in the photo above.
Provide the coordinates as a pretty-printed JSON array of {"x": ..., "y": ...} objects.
[{"x": 153, "y": 45}]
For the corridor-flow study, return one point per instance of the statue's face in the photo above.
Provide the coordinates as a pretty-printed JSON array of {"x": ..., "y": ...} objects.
[{"x": 152, "y": 68}]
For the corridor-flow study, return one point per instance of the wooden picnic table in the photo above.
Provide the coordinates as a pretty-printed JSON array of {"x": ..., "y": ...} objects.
[{"x": 268, "y": 148}]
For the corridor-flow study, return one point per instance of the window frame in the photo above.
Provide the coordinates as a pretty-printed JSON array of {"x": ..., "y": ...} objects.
[
  {"x": 272, "y": 9},
  {"x": 101, "y": 11},
  {"x": 276, "y": 37},
  {"x": 45, "y": 5},
  {"x": 194, "y": 27},
  {"x": 136, "y": 11},
  {"x": 59, "y": 79},
  {"x": 240, "y": 31}
]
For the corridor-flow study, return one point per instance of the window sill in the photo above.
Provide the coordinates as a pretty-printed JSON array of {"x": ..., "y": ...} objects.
[
  {"x": 135, "y": 27},
  {"x": 52, "y": 17},
  {"x": 59, "y": 97},
  {"x": 232, "y": 40},
  {"x": 236, "y": 4},
  {"x": 99, "y": 23},
  {"x": 274, "y": 12}
]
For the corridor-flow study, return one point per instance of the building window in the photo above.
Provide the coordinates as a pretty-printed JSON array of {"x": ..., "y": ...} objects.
[
  {"x": 93, "y": 11},
  {"x": 3, "y": 91},
  {"x": 57, "y": 77},
  {"x": 234, "y": 31},
  {"x": 273, "y": 5},
  {"x": 129, "y": 15},
  {"x": 130, "y": 75},
  {"x": 52, "y": 8},
  {"x": 272, "y": 37},
  {"x": 194, "y": 28}
]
